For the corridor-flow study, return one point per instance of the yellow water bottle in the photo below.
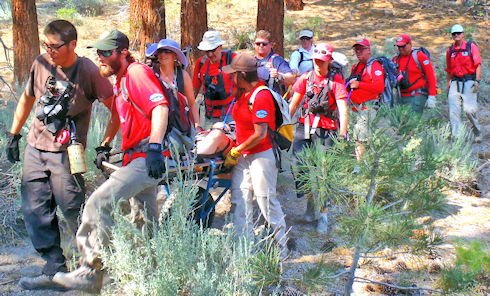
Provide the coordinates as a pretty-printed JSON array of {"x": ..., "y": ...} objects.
[{"x": 76, "y": 156}]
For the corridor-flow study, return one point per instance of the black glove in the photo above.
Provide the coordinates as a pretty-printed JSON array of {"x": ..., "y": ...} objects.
[
  {"x": 102, "y": 155},
  {"x": 12, "y": 148},
  {"x": 155, "y": 162}
]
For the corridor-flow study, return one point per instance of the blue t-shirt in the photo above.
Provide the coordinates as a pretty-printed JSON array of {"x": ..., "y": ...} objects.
[{"x": 272, "y": 61}]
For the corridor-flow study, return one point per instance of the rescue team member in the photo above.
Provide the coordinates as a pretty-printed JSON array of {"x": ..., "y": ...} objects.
[
  {"x": 171, "y": 61},
  {"x": 272, "y": 68},
  {"x": 328, "y": 91},
  {"x": 46, "y": 181},
  {"x": 217, "y": 86},
  {"x": 300, "y": 61},
  {"x": 255, "y": 172},
  {"x": 143, "y": 111},
  {"x": 366, "y": 82},
  {"x": 463, "y": 67},
  {"x": 419, "y": 84}
]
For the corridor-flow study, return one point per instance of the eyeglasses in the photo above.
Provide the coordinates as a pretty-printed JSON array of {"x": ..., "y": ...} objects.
[
  {"x": 456, "y": 33},
  {"x": 321, "y": 51},
  {"x": 105, "y": 53},
  {"x": 360, "y": 48},
  {"x": 402, "y": 46},
  {"x": 262, "y": 43},
  {"x": 52, "y": 47},
  {"x": 164, "y": 50},
  {"x": 305, "y": 38}
]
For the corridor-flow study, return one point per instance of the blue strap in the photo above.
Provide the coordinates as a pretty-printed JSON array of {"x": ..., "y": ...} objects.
[{"x": 229, "y": 109}]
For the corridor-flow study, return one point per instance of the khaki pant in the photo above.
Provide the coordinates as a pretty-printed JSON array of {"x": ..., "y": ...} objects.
[
  {"x": 256, "y": 174},
  {"x": 463, "y": 99},
  {"x": 95, "y": 228},
  {"x": 365, "y": 117}
]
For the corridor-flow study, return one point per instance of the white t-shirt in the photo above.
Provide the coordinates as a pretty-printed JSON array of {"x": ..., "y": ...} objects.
[{"x": 306, "y": 65}]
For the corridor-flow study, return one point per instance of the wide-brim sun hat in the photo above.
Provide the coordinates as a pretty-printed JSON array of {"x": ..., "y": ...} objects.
[
  {"x": 322, "y": 51},
  {"x": 210, "y": 40},
  {"x": 170, "y": 45}
]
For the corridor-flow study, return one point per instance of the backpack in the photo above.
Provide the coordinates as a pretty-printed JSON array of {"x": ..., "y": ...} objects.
[
  {"x": 228, "y": 58},
  {"x": 391, "y": 73},
  {"x": 468, "y": 49},
  {"x": 338, "y": 65},
  {"x": 404, "y": 82},
  {"x": 180, "y": 134}
]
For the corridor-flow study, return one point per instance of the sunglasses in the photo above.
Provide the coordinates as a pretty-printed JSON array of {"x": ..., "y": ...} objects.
[
  {"x": 305, "y": 38},
  {"x": 402, "y": 46},
  {"x": 262, "y": 43},
  {"x": 105, "y": 53},
  {"x": 359, "y": 48},
  {"x": 212, "y": 50},
  {"x": 456, "y": 33},
  {"x": 321, "y": 51},
  {"x": 52, "y": 47},
  {"x": 164, "y": 50}
]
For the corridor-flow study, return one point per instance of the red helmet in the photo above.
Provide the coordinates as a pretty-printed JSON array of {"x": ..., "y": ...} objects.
[{"x": 322, "y": 51}]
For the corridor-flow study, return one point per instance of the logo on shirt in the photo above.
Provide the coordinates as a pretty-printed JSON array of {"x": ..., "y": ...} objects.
[
  {"x": 156, "y": 97},
  {"x": 426, "y": 62},
  {"x": 261, "y": 114},
  {"x": 378, "y": 72},
  {"x": 464, "y": 53}
]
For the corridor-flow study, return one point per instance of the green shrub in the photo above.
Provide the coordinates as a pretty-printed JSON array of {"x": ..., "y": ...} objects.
[
  {"x": 66, "y": 13},
  {"x": 85, "y": 7}
]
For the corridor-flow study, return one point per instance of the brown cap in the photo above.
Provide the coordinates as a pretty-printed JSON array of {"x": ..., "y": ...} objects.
[{"x": 242, "y": 63}]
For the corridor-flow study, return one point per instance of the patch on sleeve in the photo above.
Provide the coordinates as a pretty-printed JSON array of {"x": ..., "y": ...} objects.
[
  {"x": 464, "y": 53},
  {"x": 156, "y": 97},
  {"x": 426, "y": 62},
  {"x": 378, "y": 72},
  {"x": 261, "y": 114}
]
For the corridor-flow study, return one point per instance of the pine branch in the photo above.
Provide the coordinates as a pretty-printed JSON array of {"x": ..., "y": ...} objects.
[
  {"x": 365, "y": 280},
  {"x": 385, "y": 256}
]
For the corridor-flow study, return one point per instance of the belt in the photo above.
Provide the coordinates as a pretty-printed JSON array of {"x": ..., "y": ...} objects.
[{"x": 464, "y": 78}]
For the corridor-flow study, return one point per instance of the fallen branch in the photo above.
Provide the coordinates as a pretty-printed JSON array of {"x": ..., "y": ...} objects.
[{"x": 365, "y": 280}]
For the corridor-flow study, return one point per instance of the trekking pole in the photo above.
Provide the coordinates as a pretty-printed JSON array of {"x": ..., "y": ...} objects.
[
  {"x": 287, "y": 92},
  {"x": 350, "y": 91},
  {"x": 228, "y": 112}
]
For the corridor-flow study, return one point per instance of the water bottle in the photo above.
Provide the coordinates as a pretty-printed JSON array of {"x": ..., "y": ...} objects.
[{"x": 76, "y": 156}]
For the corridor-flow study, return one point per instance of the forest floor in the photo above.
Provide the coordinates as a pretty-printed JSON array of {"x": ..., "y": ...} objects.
[{"x": 339, "y": 22}]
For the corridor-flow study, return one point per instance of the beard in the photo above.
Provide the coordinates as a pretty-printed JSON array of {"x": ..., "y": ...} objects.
[{"x": 110, "y": 69}]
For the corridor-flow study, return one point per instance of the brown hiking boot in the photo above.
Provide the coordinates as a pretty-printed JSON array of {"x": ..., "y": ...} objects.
[
  {"x": 84, "y": 278},
  {"x": 40, "y": 282}
]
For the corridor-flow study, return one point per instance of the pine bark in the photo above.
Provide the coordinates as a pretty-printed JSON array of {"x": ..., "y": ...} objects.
[
  {"x": 147, "y": 23},
  {"x": 25, "y": 36},
  {"x": 294, "y": 5},
  {"x": 193, "y": 24},
  {"x": 270, "y": 17}
]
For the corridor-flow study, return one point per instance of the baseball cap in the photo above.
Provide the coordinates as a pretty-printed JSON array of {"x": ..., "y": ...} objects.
[
  {"x": 403, "y": 39},
  {"x": 241, "y": 62},
  {"x": 305, "y": 33},
  {"x": 322, "y": 51},
  {"x": 111, "y": 40},
  {"x": 210, "y": 41},
  {"x": 362, "y": 41},
  {"x": 457, "y": 29}
]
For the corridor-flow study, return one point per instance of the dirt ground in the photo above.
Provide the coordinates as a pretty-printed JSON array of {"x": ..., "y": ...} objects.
[{"x": 343, "y": 22}]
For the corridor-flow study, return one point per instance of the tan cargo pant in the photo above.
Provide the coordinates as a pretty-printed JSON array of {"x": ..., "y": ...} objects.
[
  {"x": 463, "y": 98},
  {"x": 95, "y": 228},
  {"x": 256, "y": 174}
]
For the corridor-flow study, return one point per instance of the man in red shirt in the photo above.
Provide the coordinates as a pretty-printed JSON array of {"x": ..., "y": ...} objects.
[
  {"x": 323, "y": 114},
  {"x": 463, "y": 81},
  {"x": 366, "y": 82},
  {"x": 143, "y": 113},
  {"x": 217, "y": 86},
  {"x": 255, "y": 172},
  {"x": 419, "y": 84}
]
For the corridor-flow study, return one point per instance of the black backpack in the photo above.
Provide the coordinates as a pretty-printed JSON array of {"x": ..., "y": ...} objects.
[
  {"x": 468, "y": 49},
  {"x": 404, "y": 82}
]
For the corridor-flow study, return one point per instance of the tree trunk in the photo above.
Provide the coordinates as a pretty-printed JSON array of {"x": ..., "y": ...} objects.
[
  {"x": 270, "y": 17},
  {"x": 147, "y": 22},
  {"x": 193, "y": 24},
  {"x": 25, "y": 37},
  {"x": 294, "y": 5}
]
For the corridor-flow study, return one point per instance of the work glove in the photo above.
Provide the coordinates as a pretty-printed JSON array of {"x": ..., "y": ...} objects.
[
  {"x": 12, "y": 148},
  {"x": 102, "y": 155},
  {"x": 232, "y": 158},
  {"x": 476, "y": 86},
  {"x": 431, "y": 102},
  {"x": 155, "y": 162}
]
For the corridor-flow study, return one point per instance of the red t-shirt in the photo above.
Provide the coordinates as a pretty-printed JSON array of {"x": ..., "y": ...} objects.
[
  {"x": 145, "y": 92},
  {"x": 371, "y": 85},
  {"x": 460, "y": 63},
  {"x": 214, "y": 70},
  {"x": 338, "y": 92},
  {"x": 263, "y": 110},
  {"x": 414, "y": 73}
]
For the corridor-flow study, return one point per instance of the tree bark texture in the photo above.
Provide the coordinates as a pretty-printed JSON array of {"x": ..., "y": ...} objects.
[
  {"x": 25, "y": 36},
  {"x": 193, "y": 24},
  {"x": 147, "y": 23},
  {"x": 294, "y": 5},
  {"x": 270, "y": 17}
]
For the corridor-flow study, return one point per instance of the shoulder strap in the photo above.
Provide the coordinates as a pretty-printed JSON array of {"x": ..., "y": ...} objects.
[
  {"x": 229, "y": 56},
  {"x": 415, "y": 57},
  {"x": 468, "y": 49},
  {"x": 201, "y": 63},
  {"x": 180, "y": 80},
  {"x": 254, "y": 94},
  {"x": 124, "y": 92},
  {"x": 301, "y": 57}
]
